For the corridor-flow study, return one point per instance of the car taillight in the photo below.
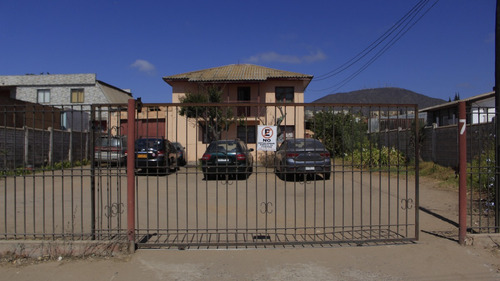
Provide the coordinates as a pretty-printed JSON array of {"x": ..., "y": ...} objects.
[
  {"x": 206, "y": 157},
  {"x": 240, "y": 157},
  {"x": 160, "y": 153},
  {"x": 292, "y": 155},
  {"x": 326, "y": 155},
  {"x": 126, "y": 153}
]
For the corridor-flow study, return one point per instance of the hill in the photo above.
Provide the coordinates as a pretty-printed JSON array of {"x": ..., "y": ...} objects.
[{"x": 382, "y": 96}]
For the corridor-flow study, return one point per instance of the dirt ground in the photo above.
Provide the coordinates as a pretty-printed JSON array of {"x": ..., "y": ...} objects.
[{"x": 436, "y": 256}]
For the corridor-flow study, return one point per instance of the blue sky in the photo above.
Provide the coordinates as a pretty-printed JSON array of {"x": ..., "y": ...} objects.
[{"x": 133, "y": 44}]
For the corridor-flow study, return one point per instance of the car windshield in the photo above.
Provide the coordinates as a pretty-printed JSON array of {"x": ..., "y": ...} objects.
[
  {"x": 306, "y": 144},
  {"x": 148, "y": 144},
  {"x": 223, "y": 147}
]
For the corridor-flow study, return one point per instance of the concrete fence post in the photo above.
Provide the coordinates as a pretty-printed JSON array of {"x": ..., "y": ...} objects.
[
  {"x": 51, "y": 146},
  {"x": 70, "y": 150},
  {"x": 26, "y": 146}
]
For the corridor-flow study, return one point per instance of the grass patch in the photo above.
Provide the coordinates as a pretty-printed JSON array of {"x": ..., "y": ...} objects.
[{"x": 445, "y": 175}]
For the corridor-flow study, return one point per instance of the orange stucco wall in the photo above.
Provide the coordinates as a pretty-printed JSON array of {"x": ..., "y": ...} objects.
[{"x": 185, "y": 131}]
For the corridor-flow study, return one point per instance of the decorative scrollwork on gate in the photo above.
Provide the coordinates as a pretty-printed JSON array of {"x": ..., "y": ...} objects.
[
  {"x": 114, "y": 209},
  {"x": 266, "y": 207},
  {"x": 406, "y": 204}
]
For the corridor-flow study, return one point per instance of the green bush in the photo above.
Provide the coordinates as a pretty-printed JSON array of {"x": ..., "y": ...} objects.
[
  {"x": 375, "y": 157},
  {"x": 341, "y": 133},
  {"x": 482, "y": 172}
]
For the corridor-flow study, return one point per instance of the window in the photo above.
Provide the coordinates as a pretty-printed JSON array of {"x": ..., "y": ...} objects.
[
  {"x": 43, "y": 96},
  {"x": 247, "y": 133},
  {"x": 243, "y": 96},
  {"x": 77, "y": 96},
  {"x": 284, "y": 94}
]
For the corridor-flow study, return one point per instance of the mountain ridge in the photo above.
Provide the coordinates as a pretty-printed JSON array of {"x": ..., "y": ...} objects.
[{"x": 386, "y": 95}]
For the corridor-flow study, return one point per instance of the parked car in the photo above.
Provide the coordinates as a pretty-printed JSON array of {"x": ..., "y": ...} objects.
[
  {"x": 155, "y": 154},
  {"x": 302, "y": 157},
  {"x": 227, "y": 158},
  {"x": 181, "y": 155},
  {"x": 110, "y": 150}
]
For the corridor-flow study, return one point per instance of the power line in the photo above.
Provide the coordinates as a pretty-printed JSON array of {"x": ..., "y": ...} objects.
[
  {"x": 400, "y": 28},
  {"x": 372, "y": 46}
]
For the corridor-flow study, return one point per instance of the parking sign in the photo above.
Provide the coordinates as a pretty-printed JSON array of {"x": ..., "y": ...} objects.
[{"x": 266, "y": 139}]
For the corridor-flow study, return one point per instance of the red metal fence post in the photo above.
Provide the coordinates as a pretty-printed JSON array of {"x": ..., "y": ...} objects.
[
  {"x": 462, "y": 189},
  {"x": 131, "y": 175}
]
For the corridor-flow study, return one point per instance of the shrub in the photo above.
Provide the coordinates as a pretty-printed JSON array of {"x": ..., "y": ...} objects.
[
  {"x": 482, "y": 172},
  {"x": 341, "y": 133},
  {"x": 375, "y": 157},
  {"x": 266, "y": 159}
]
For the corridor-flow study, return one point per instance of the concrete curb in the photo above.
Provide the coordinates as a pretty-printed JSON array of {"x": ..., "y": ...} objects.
[
  {"x": 483, "y": 240},
  {"x": 57, "y": 249}
]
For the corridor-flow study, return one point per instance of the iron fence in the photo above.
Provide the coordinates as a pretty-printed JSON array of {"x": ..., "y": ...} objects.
[
  {"x": 482, "y": 171},
  {"x": 79, "y": 190}
]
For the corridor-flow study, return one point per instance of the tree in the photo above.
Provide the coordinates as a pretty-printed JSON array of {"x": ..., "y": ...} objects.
[
  {"x": 213, "y": 118},
  {"x": 341, "y": 132}
]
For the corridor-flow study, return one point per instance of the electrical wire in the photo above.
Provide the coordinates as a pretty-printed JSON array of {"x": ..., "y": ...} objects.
[
  {"x": 402, "y": 26},
  {"x": 373, "y": 45}
]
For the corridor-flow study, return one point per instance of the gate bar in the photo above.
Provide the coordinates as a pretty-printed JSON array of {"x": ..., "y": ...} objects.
[{"x": 131, "y": 175}]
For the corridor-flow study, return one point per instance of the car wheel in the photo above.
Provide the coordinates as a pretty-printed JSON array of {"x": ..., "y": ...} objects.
[
  {"x": 209, "y": 176},
  {"x": 326, "y": 176},
  {"x": 278, "y": 173},
  {"x": 171, "y": 166},
  {"x": 242, "y": 175}
]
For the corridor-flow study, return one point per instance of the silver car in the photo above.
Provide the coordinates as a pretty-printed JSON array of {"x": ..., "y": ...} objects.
[
  {"x": 110, "y": 150},
  {"x": 302, "y": 157}
]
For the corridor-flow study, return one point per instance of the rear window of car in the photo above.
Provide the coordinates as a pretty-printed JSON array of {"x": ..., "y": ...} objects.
[
  {"x": 149, "y": 143},
  {"x": 306, "y": 144},
  {"x": 223, "y": 146},
  {"x": 115, "y": 142}
]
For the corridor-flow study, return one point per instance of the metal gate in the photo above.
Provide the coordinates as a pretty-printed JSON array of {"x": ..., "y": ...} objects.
[
  {"x": 68, "y": 180},
  {"x": 371, "y": 195}
]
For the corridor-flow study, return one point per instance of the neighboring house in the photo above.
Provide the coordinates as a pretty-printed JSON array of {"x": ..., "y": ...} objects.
[
  {"x": 439, "y": 138},
  {"x": 71, "y": 93},
  {"x": 240, "y": 83},
  {"x": 480, "y": 109}
]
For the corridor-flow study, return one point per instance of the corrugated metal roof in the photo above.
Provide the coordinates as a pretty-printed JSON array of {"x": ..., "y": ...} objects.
[
  {"x": 455, "y": 103},
  {"x": 236, "y": 72}
]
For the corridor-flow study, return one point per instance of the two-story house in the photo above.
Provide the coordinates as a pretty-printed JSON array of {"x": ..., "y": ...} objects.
[
  {"x": 240, "y": 84},
  {"x": 71, "y": 94}
]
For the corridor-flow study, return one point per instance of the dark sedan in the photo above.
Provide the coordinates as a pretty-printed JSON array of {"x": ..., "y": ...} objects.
[
  {"x": 155, "y": 154},
  {"x": 302, "y": 157},
  {"x": 181, "y": 154},
  {"x": 229, "y": 158}
]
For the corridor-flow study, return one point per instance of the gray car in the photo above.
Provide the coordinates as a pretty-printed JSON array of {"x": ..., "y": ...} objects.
[
  {"x": 302, "y": 157},
  {"x": 110, "y": 150}
]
